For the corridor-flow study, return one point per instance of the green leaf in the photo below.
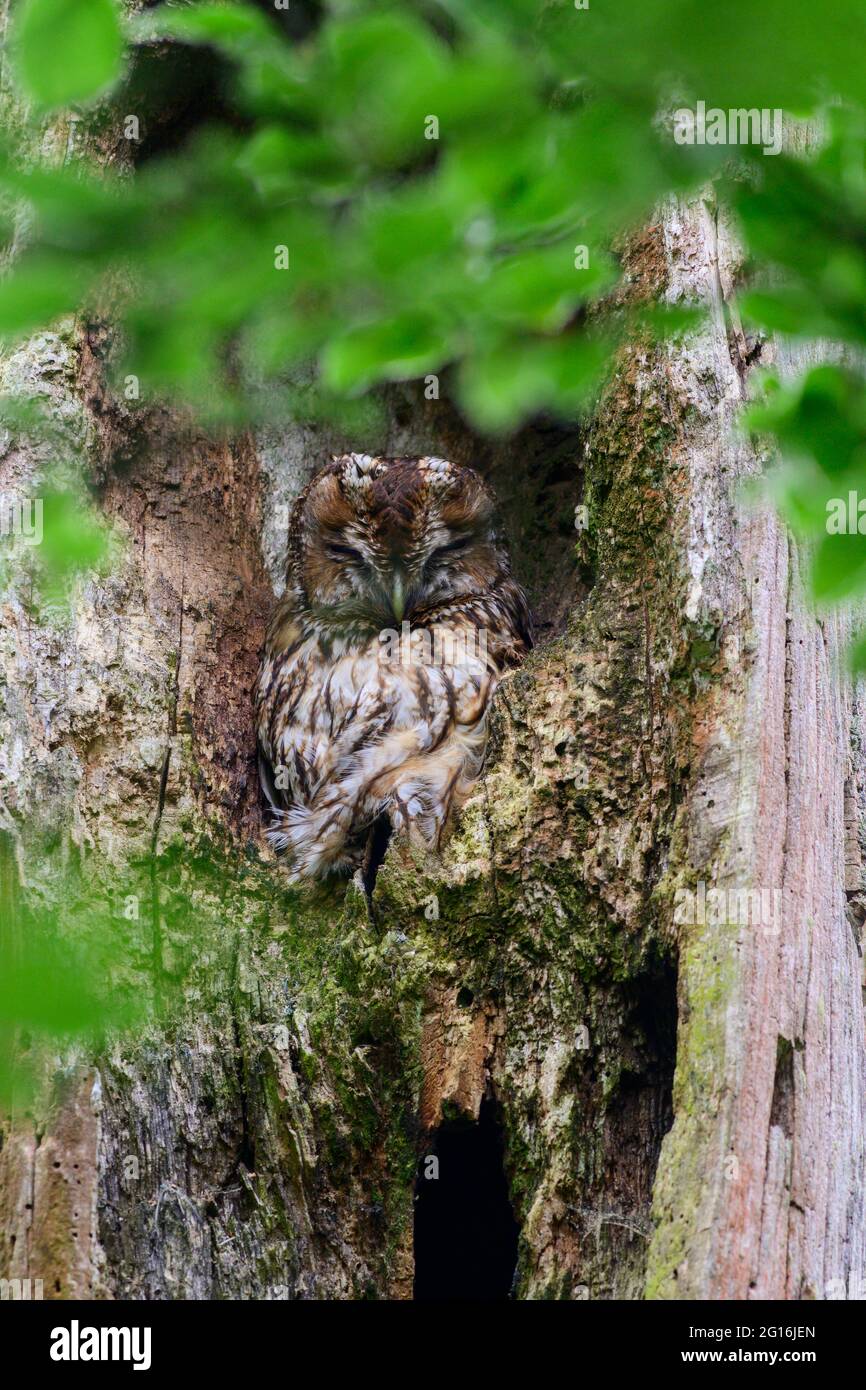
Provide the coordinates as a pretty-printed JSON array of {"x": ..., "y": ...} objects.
[
  {"x": 799, "y": 491},
  {"x": 67, "y": 51},
  {"x": 405, "y": 234},
  {"x": 58, "y": 985},
  {"x": 839, "y": 570},
  {"x": 281, "y": 162},
  {"x": 236, "y": 29},
  {"x": 794, "y": 312},
  {"x": 822, "y": 416},
  {"x": 40, "y": 290},
  {"x": 61, "y": 539},
  {"x": 504, "y": 385},
  {"x": 74, "y": 538},
  {"x": 541, "y": 289},
  {"x": 382, "y": 75},
  {"x": 857, "y": 655},
  {"x": 396, "y": 350}
]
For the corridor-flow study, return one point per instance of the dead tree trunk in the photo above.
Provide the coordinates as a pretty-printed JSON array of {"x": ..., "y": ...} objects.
[{"x": 677, "y": 1086}]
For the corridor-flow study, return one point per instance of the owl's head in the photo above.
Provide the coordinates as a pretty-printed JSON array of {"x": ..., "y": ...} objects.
[{"x": 377, "y": 540}]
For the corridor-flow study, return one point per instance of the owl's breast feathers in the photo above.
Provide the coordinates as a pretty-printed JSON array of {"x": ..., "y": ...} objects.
[{"x": 349, "y": 730}]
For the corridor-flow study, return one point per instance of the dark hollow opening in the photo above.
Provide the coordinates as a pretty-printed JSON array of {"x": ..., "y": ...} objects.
[
  {"x": 465, "y": 1231},
  {"x": 536, "y": 475}
]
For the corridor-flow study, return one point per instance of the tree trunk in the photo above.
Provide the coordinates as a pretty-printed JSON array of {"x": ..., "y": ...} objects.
[{"x": 678, "y": 1089}]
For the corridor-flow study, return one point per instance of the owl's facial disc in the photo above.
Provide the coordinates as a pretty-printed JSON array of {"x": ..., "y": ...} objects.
[{"x": 382, "y": 539}]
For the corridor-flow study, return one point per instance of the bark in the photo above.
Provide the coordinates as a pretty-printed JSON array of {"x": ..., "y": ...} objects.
[{"x": 681, "y": 1101}]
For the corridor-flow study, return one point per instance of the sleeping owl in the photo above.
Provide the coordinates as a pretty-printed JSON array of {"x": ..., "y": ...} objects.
[{"x": 399, "y": 616}]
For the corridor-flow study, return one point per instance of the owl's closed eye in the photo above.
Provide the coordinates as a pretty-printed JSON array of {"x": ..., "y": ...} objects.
[{"x": 400, "y": 614}]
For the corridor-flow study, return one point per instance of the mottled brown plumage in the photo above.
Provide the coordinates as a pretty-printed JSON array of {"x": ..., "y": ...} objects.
[{"x": 399, "y": 616}]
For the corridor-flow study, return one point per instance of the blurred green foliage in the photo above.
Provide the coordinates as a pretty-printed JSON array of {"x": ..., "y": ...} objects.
[
  {"x": 65, "y": 957},
  {"x": 67, "y": 52},
  {"x": 390, "y": 190},
  {"x": 64, "y": 539},
  {"x": 409, "y": 186},
  {"x": 93, "y": 943},
  {"x": 55, "y": 991},
  {"x": 383, "y": 191}
]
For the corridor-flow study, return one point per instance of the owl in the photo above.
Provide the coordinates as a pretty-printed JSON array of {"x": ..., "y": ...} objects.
[{"x": 399, "y": 616}]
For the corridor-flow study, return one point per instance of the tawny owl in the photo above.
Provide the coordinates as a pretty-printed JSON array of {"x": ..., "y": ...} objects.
[{"x": 399, "y": 616}]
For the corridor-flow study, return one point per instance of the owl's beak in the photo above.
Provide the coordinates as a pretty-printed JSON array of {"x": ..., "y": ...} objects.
[{"x": 398, "y": 596}]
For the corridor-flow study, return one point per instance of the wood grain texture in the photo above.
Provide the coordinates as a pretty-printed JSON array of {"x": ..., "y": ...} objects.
[{"x": 760, "y": 1188}]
